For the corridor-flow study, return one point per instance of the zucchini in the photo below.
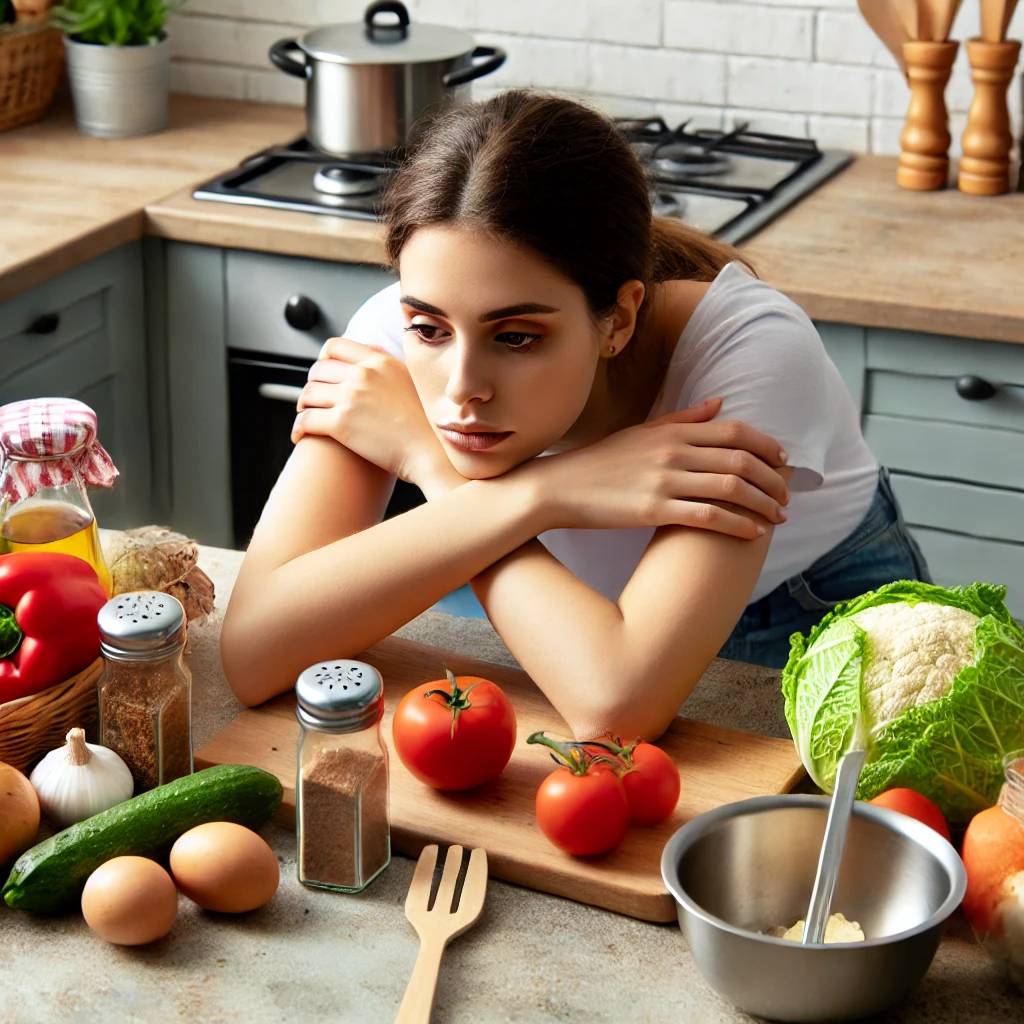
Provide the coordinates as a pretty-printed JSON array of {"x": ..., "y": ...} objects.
[{"x": 50, "y": 876}]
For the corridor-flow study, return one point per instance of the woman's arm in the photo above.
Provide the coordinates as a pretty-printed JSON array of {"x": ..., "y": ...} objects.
[
  {"x": 624, "y": 667},
  {"x": 324, "y": 578}
]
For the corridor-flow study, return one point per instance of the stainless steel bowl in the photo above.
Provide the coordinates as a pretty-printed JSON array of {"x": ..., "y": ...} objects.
[{"x": 739, "y": 870}]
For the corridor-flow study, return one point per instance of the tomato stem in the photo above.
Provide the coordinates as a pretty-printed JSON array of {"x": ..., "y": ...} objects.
[
  {"x": 457, "y": 701},
  {"x": 572, "y": 755},
  {"x": 624, "y": 754}
]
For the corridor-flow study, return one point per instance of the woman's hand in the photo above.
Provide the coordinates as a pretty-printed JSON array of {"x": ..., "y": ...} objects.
[
  {"x": 667, "y": 471},
  {"x": 365, "y": 399}
]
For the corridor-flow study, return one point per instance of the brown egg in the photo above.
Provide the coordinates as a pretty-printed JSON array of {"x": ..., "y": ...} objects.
[
  {"x": 224, "y": 867},
  {"x": 130, "y": 901}
]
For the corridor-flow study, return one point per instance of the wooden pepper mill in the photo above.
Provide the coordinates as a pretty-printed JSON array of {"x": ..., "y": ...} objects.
[
  {"x": 985, "y": 165},
  {"x": 924, "y": 160}
]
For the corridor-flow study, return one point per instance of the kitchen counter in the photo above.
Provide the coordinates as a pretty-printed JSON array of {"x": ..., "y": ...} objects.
[
  {"x": 314, "y": 955},
  {"x": 859, "y": 250}
]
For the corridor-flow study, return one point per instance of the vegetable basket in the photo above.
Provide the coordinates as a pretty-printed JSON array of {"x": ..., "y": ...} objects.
[
  {"x": 34, "y": 725},
  {"x": 31, "y": 60}
]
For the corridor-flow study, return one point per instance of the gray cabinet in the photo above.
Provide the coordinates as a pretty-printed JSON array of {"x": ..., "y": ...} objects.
[
  {"x": 957, "y": 463},
  {"x": 82, "y": 335}
]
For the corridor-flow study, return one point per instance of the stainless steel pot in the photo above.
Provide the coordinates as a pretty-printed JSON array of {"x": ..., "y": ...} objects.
[{"x": 368, "y": 84}]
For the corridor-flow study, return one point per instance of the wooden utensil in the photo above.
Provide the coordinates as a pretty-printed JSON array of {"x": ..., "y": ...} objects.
[
  {"x": 716, "y": 765},
  {"x": 438, "y": 925},
  {"x": 935, "y": 19},
  {"x": 996, "y": 16},
  {"x": 892, "y": 23},
  {"x": 924, "y": 141},
  {"x": 985, "y": 165}
]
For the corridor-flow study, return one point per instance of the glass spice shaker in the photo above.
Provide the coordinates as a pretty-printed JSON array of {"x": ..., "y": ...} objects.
[
  {"x": 145, "y": 692},
  {"x": 342, "y": 830}
]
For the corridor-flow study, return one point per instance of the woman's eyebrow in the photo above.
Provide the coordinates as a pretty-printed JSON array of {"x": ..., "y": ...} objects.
[{"x": 498, "y": 314}]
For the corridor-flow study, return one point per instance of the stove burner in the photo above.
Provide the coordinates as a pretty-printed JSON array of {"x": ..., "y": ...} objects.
[
  {"x": 678, "y": 161},
  {"x": 665, "y": 204},
  {"x": 342, "y": 180}
]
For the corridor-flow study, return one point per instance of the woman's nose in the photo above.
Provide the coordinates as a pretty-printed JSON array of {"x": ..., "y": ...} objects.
[{"x": 467, "y": 379}]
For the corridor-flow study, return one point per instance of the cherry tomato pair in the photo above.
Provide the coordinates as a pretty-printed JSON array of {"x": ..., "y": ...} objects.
[{"x": 585, "y": 807}]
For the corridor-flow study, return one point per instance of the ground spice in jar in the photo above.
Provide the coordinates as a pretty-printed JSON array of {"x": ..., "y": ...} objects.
[
  {"x": 146, "y": 721},
  {"x": 345, "y": 838},
  {"x": 145, "y": 692}
]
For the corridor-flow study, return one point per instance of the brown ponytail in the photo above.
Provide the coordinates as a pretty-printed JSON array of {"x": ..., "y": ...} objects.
[{"x": 555, "y": 176}]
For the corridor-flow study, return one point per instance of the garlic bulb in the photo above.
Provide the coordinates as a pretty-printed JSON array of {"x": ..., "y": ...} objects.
[{"x": 79, "y": 780}]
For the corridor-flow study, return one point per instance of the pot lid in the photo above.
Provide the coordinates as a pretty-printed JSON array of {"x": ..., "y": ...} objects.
[{"x": 385, "y": 36}]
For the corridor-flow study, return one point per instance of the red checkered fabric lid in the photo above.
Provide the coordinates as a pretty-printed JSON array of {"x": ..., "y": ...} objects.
[{"x": 45, "y": 441}]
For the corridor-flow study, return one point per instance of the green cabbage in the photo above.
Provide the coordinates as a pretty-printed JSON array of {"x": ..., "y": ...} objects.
[{"x": 943, "y": 737}]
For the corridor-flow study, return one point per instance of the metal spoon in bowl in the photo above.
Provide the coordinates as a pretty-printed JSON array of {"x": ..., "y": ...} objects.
[{"x": 832, "y": 845}]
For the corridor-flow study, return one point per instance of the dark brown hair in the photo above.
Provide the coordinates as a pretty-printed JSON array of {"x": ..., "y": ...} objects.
[{"x": 553, "y": 175}]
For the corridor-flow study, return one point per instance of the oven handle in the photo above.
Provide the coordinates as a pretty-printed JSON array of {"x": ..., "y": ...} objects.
[{"x": 280, "y": 392}]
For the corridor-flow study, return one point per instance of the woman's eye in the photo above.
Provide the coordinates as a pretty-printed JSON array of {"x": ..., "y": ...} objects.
[
  {"x": 428, "y": 332},
  {"x": 517, "y": 341}
]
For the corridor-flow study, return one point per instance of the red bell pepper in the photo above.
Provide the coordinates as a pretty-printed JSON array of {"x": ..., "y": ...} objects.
[{"x": 48, "y": 631}]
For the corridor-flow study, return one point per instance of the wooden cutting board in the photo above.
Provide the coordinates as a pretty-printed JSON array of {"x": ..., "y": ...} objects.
[{"x": 717, "y": 766}]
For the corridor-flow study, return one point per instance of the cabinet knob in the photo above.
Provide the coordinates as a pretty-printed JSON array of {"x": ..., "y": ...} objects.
[
  {"x": 45, "y": 324},
  {"x": 302, "y": 313},
  {"x": 974, "y": 389}
]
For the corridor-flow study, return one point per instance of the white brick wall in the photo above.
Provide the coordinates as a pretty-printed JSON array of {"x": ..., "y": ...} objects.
[{"x": 800, "y": 67}]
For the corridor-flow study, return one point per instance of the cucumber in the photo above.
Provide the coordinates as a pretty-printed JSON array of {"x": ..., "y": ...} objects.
[{"x": 49, "y": 877}]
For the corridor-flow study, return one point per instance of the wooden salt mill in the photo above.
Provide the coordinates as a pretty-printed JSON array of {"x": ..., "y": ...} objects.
[
  {"x": 924, "y": 160},
  {"x": 985, "y": 165}
]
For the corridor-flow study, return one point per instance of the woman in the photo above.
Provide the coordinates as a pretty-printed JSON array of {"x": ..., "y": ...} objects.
[{"x": 677, "y": 402}]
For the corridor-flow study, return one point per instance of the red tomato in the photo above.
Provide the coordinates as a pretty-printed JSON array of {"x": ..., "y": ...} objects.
[
  {"x": 912, "y": 804},
  {"x": 456, "y": 733},
  {"x": 583, "y": 814},
  {"x": 652, "y": 788}
]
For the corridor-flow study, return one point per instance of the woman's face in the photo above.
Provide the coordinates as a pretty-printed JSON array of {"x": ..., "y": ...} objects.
[{"x": 501, "y": 348}]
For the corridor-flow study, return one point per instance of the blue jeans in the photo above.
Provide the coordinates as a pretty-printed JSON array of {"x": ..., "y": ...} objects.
[{"x": 880, "y": 550}]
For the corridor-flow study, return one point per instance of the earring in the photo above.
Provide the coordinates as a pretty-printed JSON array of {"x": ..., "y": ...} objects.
[{"x": 611, "y": 350}]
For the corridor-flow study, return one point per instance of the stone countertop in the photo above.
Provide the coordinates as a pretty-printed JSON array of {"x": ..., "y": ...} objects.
[
  {"x": 311, "y": 955},
  {"x": 858, "y": 250}
]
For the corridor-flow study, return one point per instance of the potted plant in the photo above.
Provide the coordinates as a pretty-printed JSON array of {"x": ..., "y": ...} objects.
[{"x": 118, "y": 59}]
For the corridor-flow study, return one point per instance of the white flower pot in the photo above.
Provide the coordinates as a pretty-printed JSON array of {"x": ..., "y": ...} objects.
[{"x": 119, "y": 91}]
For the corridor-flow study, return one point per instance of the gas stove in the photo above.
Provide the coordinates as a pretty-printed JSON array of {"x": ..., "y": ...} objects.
[{"x": 727, "y": 184}]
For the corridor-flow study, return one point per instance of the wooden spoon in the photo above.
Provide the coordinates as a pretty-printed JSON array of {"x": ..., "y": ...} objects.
[
  {"x": 995, "y": 19},
  {"x": 935, "y": 19},
  {"x": 438, "y": 926},
  {"x": 894, "y": 22}
]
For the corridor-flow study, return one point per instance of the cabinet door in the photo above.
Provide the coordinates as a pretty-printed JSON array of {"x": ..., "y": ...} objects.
[{"x": 81, "y": 335}]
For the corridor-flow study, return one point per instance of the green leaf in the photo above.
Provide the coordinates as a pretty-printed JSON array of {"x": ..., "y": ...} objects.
[
  {"x": 114, "y": 22},
  {"x": 10, "y": 632}
]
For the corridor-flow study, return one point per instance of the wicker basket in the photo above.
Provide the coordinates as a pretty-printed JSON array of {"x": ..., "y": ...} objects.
[
  {"x": 34, "y": 725},
  {"x": 31, "y": 59}
]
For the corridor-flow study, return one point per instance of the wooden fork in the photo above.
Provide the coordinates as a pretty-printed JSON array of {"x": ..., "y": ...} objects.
[{"x": 437, "y": 927}]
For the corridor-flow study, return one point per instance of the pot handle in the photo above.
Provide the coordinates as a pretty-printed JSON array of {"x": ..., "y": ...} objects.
[
  {"x": 279, "y": 55},
  {"x": 396, "y": 7},
  {"x": 495, "y": 57}
]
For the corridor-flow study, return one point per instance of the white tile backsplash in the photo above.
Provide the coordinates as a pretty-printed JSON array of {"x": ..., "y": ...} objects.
[{"x": 792, "y": 66}]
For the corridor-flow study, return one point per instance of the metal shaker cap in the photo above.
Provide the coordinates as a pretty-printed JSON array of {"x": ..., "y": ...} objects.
[
  {"x": 142, "y": 625},
  {"x": 339, "y": 696}
]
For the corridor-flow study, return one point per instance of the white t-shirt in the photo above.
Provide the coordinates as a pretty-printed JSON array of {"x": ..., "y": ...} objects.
[{"x": 749, "y": 344}]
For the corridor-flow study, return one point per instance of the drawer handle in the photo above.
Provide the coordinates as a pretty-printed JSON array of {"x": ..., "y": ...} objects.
[
  {"x": 45, "y": 324},
  {"x": 302, "y": 313},
  {"x": 280, "y": 392},
  {"x": 974, "y": 389}
]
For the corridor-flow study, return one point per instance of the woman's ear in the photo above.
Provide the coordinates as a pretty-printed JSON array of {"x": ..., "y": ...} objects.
[{"x": 623, "y": 319}]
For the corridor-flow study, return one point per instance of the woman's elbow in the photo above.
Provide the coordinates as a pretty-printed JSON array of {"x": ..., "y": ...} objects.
[
  {"x": 628, "y": 720},
  {"x": 244, "y": 662}
]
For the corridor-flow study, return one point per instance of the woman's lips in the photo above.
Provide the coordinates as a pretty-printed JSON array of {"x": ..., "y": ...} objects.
[{"x": 474, "y": 442}]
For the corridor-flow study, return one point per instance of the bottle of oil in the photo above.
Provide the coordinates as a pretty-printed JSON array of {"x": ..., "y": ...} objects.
[{"x": 50, "y": 453}]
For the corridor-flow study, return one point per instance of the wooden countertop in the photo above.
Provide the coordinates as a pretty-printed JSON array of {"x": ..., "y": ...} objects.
[
  {"x": 859, "y": 250},
  {"x": 66, "y": 197}
]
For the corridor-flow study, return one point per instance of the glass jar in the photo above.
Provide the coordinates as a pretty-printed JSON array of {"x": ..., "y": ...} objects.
[
  {"x": 145, "y": 692},
  {"x": 50, "y": 452},
  {"x": 342, "y": 825}
]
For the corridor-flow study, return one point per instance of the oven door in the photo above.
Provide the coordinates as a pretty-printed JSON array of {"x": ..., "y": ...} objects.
[{"x": 262, "y": 392}]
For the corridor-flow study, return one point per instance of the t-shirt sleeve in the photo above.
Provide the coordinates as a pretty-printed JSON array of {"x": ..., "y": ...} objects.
[
  {"x": 771, "y": 370},
  {"x": 379, "y": 321}
]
